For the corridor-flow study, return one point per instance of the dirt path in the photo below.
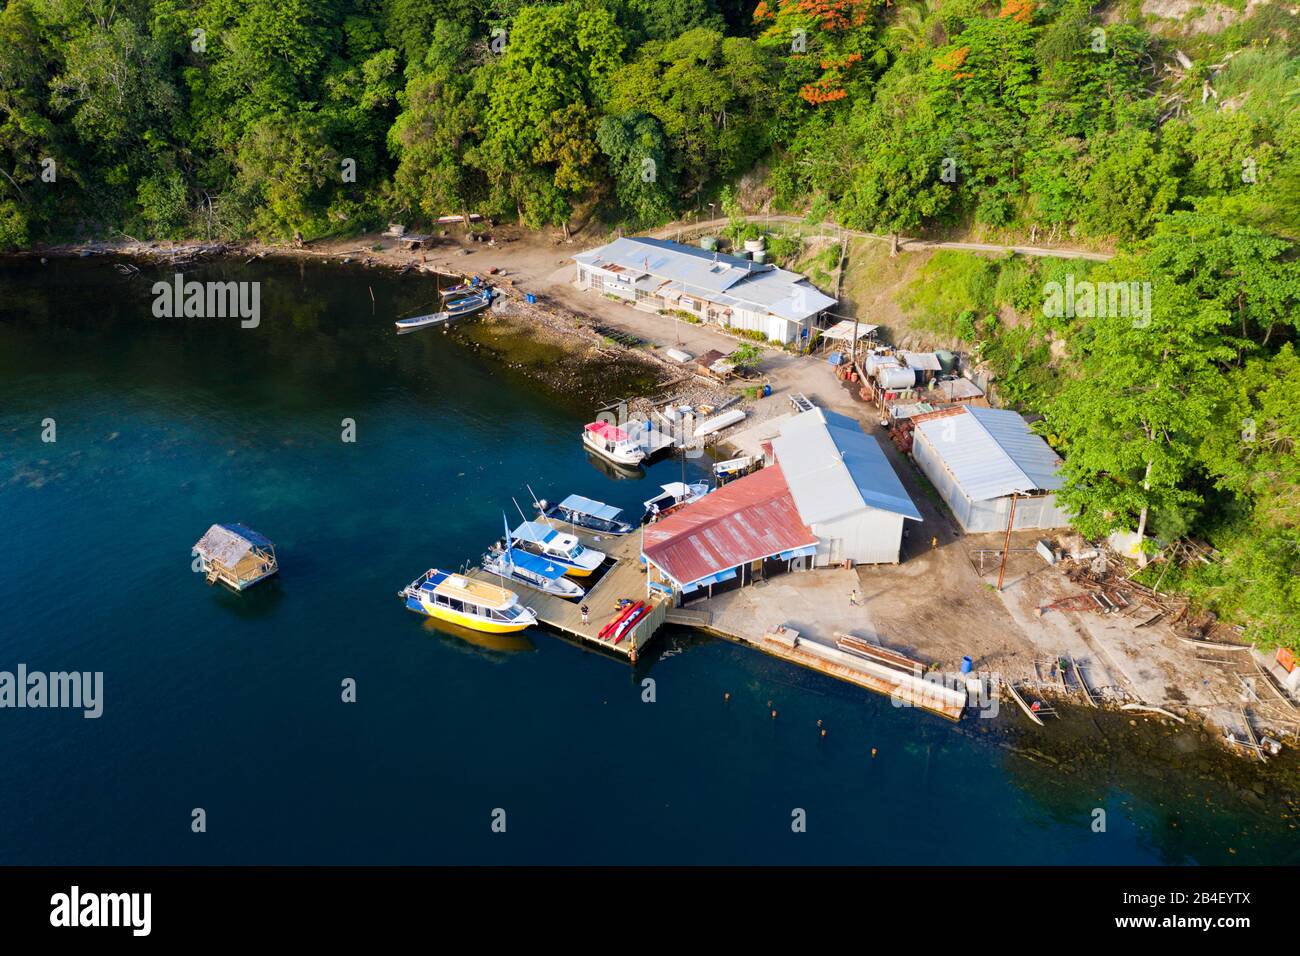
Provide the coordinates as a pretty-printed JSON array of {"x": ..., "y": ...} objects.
[{"x": 904, "y": 243}]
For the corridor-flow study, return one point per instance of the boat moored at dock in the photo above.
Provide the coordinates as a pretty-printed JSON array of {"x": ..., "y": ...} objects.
[
  {"x": 557, "y": 547},
  {"x": 457, "y": 599},
  {"x": 586, "y": 513},
  {"x": 734, "y": 468},
  {"x": 457, "y": 307},
  {"x": 674, "y": 495},
  {"x": 532, "y": 571},
  {"x": 611, "y": 442}
]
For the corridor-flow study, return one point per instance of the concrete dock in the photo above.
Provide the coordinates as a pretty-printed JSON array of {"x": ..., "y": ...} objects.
[{"x": 625, "y": 579}]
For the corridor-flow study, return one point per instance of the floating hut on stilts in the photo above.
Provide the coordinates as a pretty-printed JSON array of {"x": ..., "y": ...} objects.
[{"x": 236, "y": 556}]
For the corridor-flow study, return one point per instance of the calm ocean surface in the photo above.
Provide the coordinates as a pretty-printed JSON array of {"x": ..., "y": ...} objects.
[{"x": 232, "y": 703}]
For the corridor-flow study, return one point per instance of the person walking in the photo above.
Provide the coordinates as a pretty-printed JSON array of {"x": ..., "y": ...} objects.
[{"x": 855, "y": 598}]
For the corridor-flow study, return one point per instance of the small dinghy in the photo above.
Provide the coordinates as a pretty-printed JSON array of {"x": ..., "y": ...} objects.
[
  {"x": 421, "y": 322},
  {"x": 470, "y": 303},
  {"x": 457, "y": 307}
]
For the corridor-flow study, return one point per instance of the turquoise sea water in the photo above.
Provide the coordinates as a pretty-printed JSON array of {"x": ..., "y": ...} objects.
[{"x": 232, "y": 703}]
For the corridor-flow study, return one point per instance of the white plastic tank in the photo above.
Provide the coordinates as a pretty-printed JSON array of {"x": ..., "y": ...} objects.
[{"x": 894, "y": 376}]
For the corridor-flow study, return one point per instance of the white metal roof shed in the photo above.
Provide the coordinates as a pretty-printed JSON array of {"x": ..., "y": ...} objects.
[
  {"x": 842, "y": 331},
  {"x": 992, "y": 453},
  {"x": 834, "y": 468}
]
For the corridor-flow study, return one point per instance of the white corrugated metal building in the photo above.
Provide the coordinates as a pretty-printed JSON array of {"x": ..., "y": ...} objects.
[
  {"x": 844, "y": 487},
  {"x": 734, "y": 292},
  {"x": 977, "y": 458}
]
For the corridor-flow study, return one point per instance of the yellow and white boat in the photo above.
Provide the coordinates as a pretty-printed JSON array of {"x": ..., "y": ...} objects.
[{"x": 477, "y": 605}]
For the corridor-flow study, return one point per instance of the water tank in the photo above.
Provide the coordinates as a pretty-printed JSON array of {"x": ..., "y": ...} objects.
[
  {"x": 893, "y": 376},
  {"x": 760, "y": 256},
  {"x": 709, "y": 243},
  {"x": 947, "y": 360},
  {"x": 767, "y": 391},
  {"x": 755, "y": 245},
  {"x": 966, "y": 665}
]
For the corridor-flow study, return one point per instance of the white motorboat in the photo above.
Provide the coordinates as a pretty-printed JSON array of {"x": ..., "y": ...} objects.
[
  {"x": 558, "y": 547},
  {"x": 674, "y": 495},
  {"x": 613, "y": 443}
]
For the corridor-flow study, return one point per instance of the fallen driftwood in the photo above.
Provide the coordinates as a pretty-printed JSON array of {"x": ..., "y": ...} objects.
[{"x": 1147, "y": 709}]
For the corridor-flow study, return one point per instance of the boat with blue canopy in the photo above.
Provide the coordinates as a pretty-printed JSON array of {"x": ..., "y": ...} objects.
[
  {"x": 586, "y": 513},
  {"x": 563, "y": 549},
  {"x": 533, "y": 571},
  {"x": 527, "y": 568}
]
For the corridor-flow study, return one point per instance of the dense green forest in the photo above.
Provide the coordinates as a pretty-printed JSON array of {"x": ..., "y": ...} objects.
[{"x": 1176, "y": 142}]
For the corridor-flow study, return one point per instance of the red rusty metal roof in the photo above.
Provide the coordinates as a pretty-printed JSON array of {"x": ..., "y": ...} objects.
[{"x": 744, "y": 520}]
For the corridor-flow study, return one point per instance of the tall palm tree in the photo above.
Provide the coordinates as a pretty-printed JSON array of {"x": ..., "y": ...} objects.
[{"x": 913, "y": 29}]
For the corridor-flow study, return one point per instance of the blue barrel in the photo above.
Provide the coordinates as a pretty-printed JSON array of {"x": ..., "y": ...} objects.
[
  {"x": 530, "y": 299},
  {"x": 966, "y": 665},
  {"x": 767, "y": 391}
]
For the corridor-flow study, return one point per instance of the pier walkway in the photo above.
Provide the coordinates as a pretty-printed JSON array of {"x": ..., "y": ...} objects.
[{"x": 626, "y": 579}]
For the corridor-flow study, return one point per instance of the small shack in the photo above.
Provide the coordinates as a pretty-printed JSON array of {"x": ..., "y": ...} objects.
[
  {"x": 236, "y": 555},
  {"x": 715, "y": 365}
]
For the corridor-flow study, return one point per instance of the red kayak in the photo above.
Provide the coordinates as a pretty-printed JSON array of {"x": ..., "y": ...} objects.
[
  {"x": 608, "y": 629},
  {"x": 629, "y": 622}
]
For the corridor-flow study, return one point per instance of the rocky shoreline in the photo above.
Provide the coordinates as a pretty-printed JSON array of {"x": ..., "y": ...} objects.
[{"x": 564, "y": 351}]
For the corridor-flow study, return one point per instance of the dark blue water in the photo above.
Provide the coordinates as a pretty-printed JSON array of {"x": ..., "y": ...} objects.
[{"x": 232, "y": 703}]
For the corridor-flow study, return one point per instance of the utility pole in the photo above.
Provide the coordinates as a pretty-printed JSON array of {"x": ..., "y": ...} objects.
[{"x": 1006, "y": 545}]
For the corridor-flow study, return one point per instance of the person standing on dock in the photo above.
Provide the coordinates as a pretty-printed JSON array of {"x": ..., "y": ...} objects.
[{"x": 584, "y": 611}]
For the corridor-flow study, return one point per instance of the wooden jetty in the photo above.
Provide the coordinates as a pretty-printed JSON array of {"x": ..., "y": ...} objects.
[
  {"x": 625, "y": 580},
  {"x": 865, "y": 664}
]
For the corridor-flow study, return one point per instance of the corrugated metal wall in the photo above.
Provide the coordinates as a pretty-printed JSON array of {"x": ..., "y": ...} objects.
[
  {"x": 979, "y": 516},
  {"x": 868, "y": 537},
  {"x": 771, "y": 326}
]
